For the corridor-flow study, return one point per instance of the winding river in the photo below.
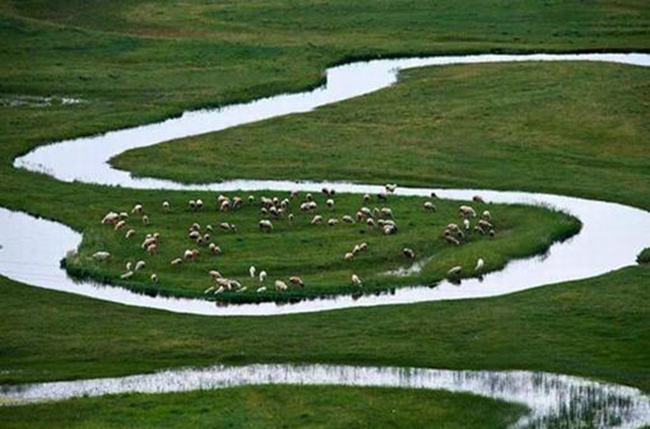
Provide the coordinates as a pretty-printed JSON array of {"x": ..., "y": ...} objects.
[{"x": 610, "y": 239}]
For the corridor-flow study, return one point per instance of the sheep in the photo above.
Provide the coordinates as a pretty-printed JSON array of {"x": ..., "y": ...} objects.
[
  {"x": 194, "y": 235},
  {"x": 215, "y": 274},
  {"x": 111, "y": 218},
  {"x": 284, "y": 203},
  {"x": 348, "y": 256},
  {"x": 332, "y": 221},
  {"x": 129, "y": 265},
  {"x": 140, "y": 265},
  {"x": 251, "y": 271},
  {"x": 452, "y": 240},
  {"x": 479, "y": 265},
  {"x": 389, "y": 229},
  {"x": 455, "y": 271},
  {"x": 199, "y": 204},
  {"x": 176, "y": 261},
  {"x": 356, "y": 249},
  {"x": 363, "y": 247},
  {"x": 224, "y": 206},
  {"x": 366, "y": 212},
  {"x": 124, "y": 215},
  {"x": 101, "y": 256},
  {"x": 190, "y": 255},
  {"x": 127, "y": 275},
  {"x": 195, "y": 227},
  {"x": 138, "y": 209},
  {"x": 483, "y": 226},
  {"x": 261, "y": 289},
  {"x": 208, "y": 290},
  {"x": 228, "y": 226},
  {"x": 330, "y": 203},
  {"x": 152, "y": 249},
  {"x": 208, "y": 228},
  {"x": 466, "y": 224},
  {"x": 409, "y": 253},
  {"x": 130, "y": 233},
  {"x": 317, "y": 220},
  {"x": 290, "y": 217},
  {"x": 309, "y": 197},
  {"x": 191, "y": 204},
  {"x": 309, "y": 206},
  {"x": 428, "y": 205},
  {"x": 366, "y": 198},
  {"x": 296, "y": 281},
  {"x": 390, "y": 188},
  {"x": 370, "y": 222},
  {"x": 220, "y": 290},
  {"x": 376, "y": 212},
  {"x": 478, "y": 199},
  {"x": 145, "y": 220},
  {"x": 221, "y": 198},
  {"x": 251, "y": 199},
  {"x": 486, "y": 215},
  {"x": 237, "y": 202},
  {"x": 154, "y": 278},
  {"x": 280, "y": 286},
  {"x": 265, "y": 225},
  {"x": 466, "y": 211},
  {"x": 262, "y": 276},
  {"x": 120, "y": 225},
  {"x": 243, "y": 289},
  {"x": 214, "y": 249},
  {"x": 347, "y": 219},
  {"x": 166, "y": 206},
  {"x": 206, "y": 237},
  {"x": 386, "y": 212},
  {"x": 356, "y": 280},
  {"x": 148, "y": 241}
]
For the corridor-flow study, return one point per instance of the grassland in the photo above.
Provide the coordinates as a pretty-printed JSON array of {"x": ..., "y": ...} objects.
[
  {"x": 581, "y": 131},
  {"x": 271, "y": 407},
  {"x": 313, "y": 252}
]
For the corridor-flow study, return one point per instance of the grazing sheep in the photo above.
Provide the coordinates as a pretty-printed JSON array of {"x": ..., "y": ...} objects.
[
  {"x": 455, "y": 271},
  {"x": 101, "y": 256},
  {"x": 166, "y": 206},
  {"x": 356, "y": 280},
  {"x": 227, "y": 226},
  {"x": 214, "y": 249},
  {"x": 290, "y": 217},
  {"x": 224, "y": 206},
  {"x": 317, "y": 220},
  {"x": 145, "y": 220},
  {"x": 221, "y": 198},
  {"x": 428, "y": 205},
  {"x": 466, "y": 211},
  {"x": 466, "y": 224},
  {"x": 176, "y": 261},
  {"x": 309, "y": 197},
  {"x": 330, "y": 203},
  {"x": 191, "y": 204},
  {"x": 120, "y": 225},
  {"x": 366, "y": 198},
  {"x": 111, "y": 218},
  {"x": 152, "y": 248},
  {"x": 370, "y": 222},
  {"x": 390, "y": 188},
  {"x": 262, "y": 276},
  {"x": 208, "y": 228},
  {"x": 130, "y": 233},
  {"x": 206, "y": 237},
  {"x": 251, "y": 271},
  {"x": 124, "y": 215},
  {"x": 265, "y": 225},
  {"x": 199, "y": 204},
  {"x": 478, "y": 199},
  {"x": 363, "y": 247},
  {"x": 296, "y": 281},
  {"x": 386, "y": 212},
  {"x": 366, "y": 212},
  {"x": 479, "y": 265},
  {"x": 190, "y": 255},
  {"x": 348, "y": 256},
  {"x": 409, "y": 253},
  {"x": 389, "y": 229},
  {"x": 347, "y": 219},
  {"x": 195, "y": 227},
  {"x": 280, "y": 286},
  {"x": 251, "y": 199},
  {"x": 332, "y": 221},
  {"x": 148, "y": 242},
  {"x": 140, "y": 265},
  {"x": 194, "y": 235},
  {"x": 154, "y": 278},
  {"x": 129, "y": 266},
  {"x": 261, "y": 289},
  {"x": 208, "y": 290},
  {"x": 452, "y": 240},
  {"x": 127, "y": 275},
  {"x": 138, "y": 209},
  {"x": 486, "y": 215},
  {"x": 237, "y": 202},
  {"x": 215, "y": 274},
  {"x": 220, "y": 290}
]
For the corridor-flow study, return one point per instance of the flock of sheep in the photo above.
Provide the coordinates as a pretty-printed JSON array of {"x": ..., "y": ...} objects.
[{"x": 276, "y": 209}]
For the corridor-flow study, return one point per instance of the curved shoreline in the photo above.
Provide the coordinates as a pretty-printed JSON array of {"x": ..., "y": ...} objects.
[{"x": 573, "y": 401}]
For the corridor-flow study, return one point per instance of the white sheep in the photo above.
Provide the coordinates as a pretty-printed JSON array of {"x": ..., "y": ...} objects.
[
  {"x": 145, "y": 219},
  {"x": 317, "y": 220},
  {"x": 138, "y": 209},
  {"x": 329, "y": 203},
  {"x": 154, "y": 278},
  {"x": 199, "y": 204},
  {"x": 111, "y": 218},
  {"x": 455, "y": 271},
  {"x": 347, "y": 219},
  {"x": 266, "y": 225},
  {"x": 101, "y": 256},
  {"x": 356, "y": 280},
  {"x": 348, "y": 256},
  {"x": 262, "y": 276},
  {"x": 140, "y": 265},
  {"x": 479, "y": 265},
  {"x": 280, "y": 286},
  {"x": 261, "y": 289},
  {"x": 297, "y": 281},
  {"x": 409, "y": 253},
  {"x": 176, "y": 261},
  {"x": 130, "y": 233},
  {"x": 251, "y": 271},
  {"x": 332, "y": 221},
  {"x": 127, "y": 275},
  {"x": 166, "y": 206},
  {"x": 120, "y": 225},
  {"x": 428, "y": 205}
]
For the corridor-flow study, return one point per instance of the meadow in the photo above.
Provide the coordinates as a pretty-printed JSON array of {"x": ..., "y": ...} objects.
[{"x": 575, "y": 129}]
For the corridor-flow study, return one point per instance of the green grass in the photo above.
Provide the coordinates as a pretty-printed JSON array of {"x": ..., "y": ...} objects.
[
  {"x": 518, "y": 116},
  {"x": 271, "y": 407},
  {"x": 595, "y": 328},
  {"x": 584, "y": 133},
  {"x": 313, "y": 252}
]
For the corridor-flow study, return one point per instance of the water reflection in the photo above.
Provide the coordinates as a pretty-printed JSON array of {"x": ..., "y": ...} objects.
[{"x": 555, "y": 401}]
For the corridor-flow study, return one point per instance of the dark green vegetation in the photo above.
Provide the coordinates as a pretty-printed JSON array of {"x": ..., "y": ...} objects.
[
  {"x": 313, "y": 252},
  {"x": 595, "y": 328},
  {"x": 644, "y": 256},
  {"x": 271, "y": 407},
  {"x": 136, "y": 62},
  {"x": 424, "y": 131}
]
